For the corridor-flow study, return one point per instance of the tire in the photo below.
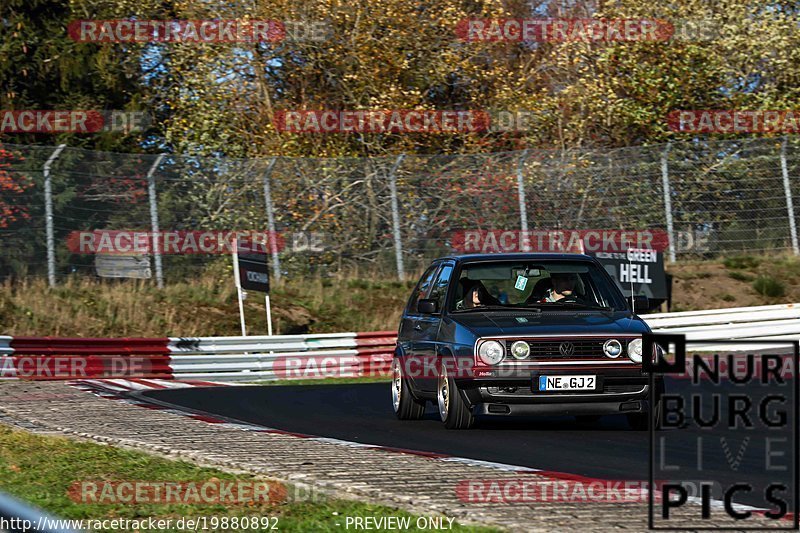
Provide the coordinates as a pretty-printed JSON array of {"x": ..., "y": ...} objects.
[
  {"x": 453, "y": 410},
  {"x": 405, "y": 406}
]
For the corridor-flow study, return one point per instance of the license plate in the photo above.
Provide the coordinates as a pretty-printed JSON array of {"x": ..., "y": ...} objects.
[{"x": 582, "y": 382}]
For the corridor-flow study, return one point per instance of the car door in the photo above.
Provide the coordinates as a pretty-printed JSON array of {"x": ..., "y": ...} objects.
[
  {"x": 428, "y": 328},
  {"x": 407, "y": 331},
  {"x": 411, "y": 325}
]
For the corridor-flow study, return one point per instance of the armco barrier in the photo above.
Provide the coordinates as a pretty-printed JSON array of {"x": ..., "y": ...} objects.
[
  {"x": 88, "y": 346},
  {"x": 282, "y": 356},
  {"x": 322, "y": 355},
  {"x": 197, "y": 358},
  {"x": 764, "y": 323},
  {"x": 5, "y": 344}
]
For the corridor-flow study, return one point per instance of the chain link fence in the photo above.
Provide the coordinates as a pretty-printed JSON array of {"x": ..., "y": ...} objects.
[{"x": 391, "y": 215}]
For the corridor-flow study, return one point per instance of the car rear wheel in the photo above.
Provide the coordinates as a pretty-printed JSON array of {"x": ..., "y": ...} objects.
[
  {"x": 405, "y": 406},
  {"x": 453, "y": 410}
]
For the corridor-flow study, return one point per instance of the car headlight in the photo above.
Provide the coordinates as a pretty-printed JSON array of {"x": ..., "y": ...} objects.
[
  {"x": 612, "y": 348},
  {"x": 491, "y": 352},
  {"x": 635, "y": 350},
  {"x": 520, "y": 350}
]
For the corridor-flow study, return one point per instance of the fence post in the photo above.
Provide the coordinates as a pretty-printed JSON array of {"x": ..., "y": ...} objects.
[
  {"x": 273, "y": 245},
  {"x": 787, "y": 189},
  {"x": 151, "y": 191},
  {"x": 668, "y": 201},
  {"x": 523, "y": 210},
  {"x": 398, "y": 243},
  {"x": 48, "y": 216}
]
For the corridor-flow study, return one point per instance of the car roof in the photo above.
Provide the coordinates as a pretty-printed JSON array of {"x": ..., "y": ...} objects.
[{"x": 469, "y": 258}]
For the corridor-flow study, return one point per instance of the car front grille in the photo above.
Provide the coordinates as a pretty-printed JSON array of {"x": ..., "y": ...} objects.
[{"x": 582, "y": 348}]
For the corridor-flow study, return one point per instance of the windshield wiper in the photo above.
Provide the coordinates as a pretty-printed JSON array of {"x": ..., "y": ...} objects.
[
  {"x": 483, "y": 308},
  {"x": 529, "y": 307},
  {"x": 502, "y": 308},
  {"x": 576, "y": 305}
]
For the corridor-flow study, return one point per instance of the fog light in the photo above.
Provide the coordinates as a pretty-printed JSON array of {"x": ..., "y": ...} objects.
[
  {"x": 520, "y": 350},
  {"x": 612, "y": 348}
]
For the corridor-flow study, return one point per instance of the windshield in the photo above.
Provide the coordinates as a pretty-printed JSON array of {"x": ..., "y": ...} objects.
[{"x": 538, "y": 284}]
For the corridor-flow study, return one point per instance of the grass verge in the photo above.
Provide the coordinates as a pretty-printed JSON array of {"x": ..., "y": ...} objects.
[
  {"x": 85, "y": 307},
  {"x": 207, "y": 305},
  {"x": 41, "y": 469}
]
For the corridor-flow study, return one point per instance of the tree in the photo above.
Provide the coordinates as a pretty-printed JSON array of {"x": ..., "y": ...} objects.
[
  {"x": 42, "y": 68},
  {"x": 12, "y": 186}
]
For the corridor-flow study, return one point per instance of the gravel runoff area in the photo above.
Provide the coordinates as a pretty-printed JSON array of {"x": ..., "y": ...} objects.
[{"x": 419, "y": 484}]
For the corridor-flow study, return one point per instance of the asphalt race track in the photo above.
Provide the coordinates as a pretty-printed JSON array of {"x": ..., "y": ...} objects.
[{"x": 362, "y": 413}]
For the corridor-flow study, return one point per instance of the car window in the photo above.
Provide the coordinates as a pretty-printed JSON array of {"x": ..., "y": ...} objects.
[
  {"x": 439, "y": 291},
  {"x": 550, "y": 283},
  {"x": 421, "y": 289}
]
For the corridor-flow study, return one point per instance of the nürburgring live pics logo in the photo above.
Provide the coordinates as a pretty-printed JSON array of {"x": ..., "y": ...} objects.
[{"x": 723, "y": 445}]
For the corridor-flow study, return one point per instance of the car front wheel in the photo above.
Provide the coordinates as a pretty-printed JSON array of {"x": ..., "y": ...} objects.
[
  {"x": 405, "y": 406},
  {"x": 453, "y": 410}
]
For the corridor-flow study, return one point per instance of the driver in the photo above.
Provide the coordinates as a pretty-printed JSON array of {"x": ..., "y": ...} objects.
[{"x": 563, "y": 287}]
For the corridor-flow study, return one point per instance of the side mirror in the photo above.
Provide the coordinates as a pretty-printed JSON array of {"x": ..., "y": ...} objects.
[
  {"x": 638, "y": 303},
  {"x": 427, "y": 306}
]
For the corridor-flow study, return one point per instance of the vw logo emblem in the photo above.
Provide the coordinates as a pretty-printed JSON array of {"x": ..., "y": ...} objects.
[{"x": 566, "y": 348}]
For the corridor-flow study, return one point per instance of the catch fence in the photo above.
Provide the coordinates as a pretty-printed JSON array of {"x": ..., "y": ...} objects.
[{"x": 389, "y": 215}]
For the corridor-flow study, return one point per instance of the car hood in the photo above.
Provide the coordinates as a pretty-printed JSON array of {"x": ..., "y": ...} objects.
[{"x": 489, "y": 323}]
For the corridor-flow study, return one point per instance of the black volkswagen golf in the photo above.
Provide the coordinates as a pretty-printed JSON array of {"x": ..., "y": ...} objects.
[{"x": 520, "y": 334}]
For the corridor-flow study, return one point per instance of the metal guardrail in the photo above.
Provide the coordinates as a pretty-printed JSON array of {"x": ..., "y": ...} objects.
[
  {"x": 5, "y": 345},
  {"x": 347, "y": 354},
  {"x": 283, "y": 356},
  {"x": 200, "y": 358},
  {"x": 764, "y": 323}
]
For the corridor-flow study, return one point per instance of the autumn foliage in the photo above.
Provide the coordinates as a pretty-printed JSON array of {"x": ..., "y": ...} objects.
[{"x": 12, "y": 185}]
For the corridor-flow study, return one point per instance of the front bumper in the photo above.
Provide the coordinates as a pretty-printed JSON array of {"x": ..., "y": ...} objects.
[
  {"x": 619, "y": 391},
  {"x": 558, "y": 409}
]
